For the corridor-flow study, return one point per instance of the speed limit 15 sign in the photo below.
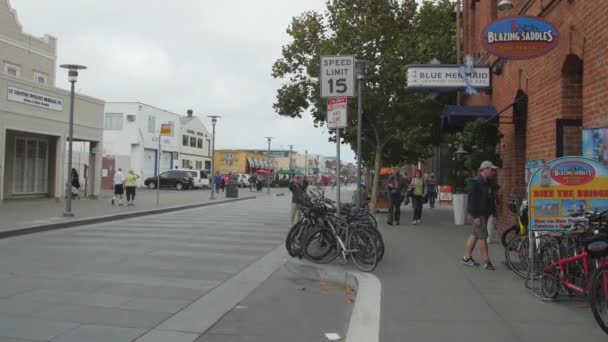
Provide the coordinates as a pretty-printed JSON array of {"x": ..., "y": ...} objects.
[{"x": 337, "y": 76}]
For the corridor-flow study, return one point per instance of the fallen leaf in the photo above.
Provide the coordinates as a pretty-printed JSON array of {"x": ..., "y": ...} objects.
[
  {"x": 302, "y": 289},
  {"x": 323, "y": 283},
  {"x": 349, "y": 291},
  {"x": 324, "y": 290},
  {"x": 350, "y": 301}
]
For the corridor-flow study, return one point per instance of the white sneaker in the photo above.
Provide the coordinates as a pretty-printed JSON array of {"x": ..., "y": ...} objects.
[{"x": 414, "y": 222}]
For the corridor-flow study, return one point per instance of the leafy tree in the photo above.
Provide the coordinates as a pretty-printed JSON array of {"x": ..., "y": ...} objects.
[{"x": 399, "y": 126}]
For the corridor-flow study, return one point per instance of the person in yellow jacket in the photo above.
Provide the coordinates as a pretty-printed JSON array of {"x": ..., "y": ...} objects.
[
  {"x": 418, "y": 190},
  {"x": 131, "y": 183}
]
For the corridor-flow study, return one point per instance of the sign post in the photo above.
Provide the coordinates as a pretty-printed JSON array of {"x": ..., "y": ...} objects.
[
  {"x": 557, "y": 190},
  {"x": 337, "y": 119},
  {"x": 165, "y": 130}
]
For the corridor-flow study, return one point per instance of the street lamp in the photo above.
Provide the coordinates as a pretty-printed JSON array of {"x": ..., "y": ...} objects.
[
  {"x": 269, "y": 139},
  {"x": 360, "y": 76},
  {"x": 505, "y": 5},
  {"x": 212, "y": 180},
  {"x": 72, "y": 77}
]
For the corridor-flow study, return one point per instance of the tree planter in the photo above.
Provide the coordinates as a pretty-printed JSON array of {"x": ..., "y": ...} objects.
[{"x": 459, "y": 204}]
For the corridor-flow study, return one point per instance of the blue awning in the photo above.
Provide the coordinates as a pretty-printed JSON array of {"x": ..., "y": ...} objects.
[{"x": 454, "y": 118}]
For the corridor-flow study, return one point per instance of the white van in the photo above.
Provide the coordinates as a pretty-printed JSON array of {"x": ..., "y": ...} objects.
[{"x": 201, "y": 178}]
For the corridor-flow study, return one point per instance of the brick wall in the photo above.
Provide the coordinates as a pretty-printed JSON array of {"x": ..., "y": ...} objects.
[{"x": 557, "y": 88}]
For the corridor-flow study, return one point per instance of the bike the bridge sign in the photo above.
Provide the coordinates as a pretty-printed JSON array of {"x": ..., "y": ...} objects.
[{"x": 565, "y": 187}]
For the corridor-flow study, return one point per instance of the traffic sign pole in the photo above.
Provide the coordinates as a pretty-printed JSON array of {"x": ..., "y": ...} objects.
[{"x": 338, "y": 170}]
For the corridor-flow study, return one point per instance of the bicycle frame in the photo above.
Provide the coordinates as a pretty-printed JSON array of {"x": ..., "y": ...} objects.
[{"x": 561, "y": 264}]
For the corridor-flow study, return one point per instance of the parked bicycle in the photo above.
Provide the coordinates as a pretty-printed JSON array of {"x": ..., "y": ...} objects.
[
  {"x": 322, "y": 236},
  {"x": 576, "y": 262}
]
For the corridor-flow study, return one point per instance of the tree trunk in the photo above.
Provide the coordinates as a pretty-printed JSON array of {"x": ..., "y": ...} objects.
[{"x": 376, "y": 180}]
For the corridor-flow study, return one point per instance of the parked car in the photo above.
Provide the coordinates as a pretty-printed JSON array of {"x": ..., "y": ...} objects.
[
  {"x": 201, "y": 178},
  {"x": 243, "y": 180},
  {"x": 178, "y": 179}
]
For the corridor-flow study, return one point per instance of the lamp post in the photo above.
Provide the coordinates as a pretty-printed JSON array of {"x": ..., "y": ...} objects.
[
  {"x": 72, "y": 77},
  {"x": 459, "y": 156},
  {"x": 360, "y": 76},
  {"x": 212, "y": 180},
  {"x": 269, "y": 139}
]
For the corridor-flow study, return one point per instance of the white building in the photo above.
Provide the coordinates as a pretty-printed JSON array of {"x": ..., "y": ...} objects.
[
  {"x": 34, "y": 117},
  {"x": 131, "y": 141},
  {"x": 195, "y": 150}
]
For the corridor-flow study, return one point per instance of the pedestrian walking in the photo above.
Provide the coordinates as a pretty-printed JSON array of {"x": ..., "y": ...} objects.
[
  {"x": 75, "y": 184},
  {"x": 418, "y": 190},
  {"x": 298, "y": 188},
  {"x": 259, "y": 183},
  {"x": 481, "y": 204},
  {"x": 252, "y": 183},
  {"x": 431, "y": 190},
  {"x": 217, "y": 182},
  {"x": 131, "y": 183},
  {"x": 119, "y": 186},
  {"x": 395, "y": 186}
]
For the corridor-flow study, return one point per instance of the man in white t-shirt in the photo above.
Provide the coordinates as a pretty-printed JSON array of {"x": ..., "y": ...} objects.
[{"x": 119, "y": 186}]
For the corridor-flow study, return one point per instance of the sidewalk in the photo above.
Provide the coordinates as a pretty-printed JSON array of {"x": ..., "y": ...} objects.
[
  {"x": 18, "y": 215},
  {"x": 428, "y": 295},
  {"x": 286, "y": 308}
]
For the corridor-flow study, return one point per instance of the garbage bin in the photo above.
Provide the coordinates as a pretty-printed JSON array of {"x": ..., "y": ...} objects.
[{"x": 232, "y": 191}]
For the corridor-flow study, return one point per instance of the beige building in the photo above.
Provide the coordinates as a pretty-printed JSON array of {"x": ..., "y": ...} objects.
[{"x": 34, "y": 117}]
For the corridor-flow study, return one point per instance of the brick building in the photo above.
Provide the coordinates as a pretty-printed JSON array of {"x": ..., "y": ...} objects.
[{"x": 555, "y": 95}]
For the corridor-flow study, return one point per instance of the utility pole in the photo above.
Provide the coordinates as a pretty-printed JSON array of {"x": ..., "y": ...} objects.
[{"x": 306, "y": 163}]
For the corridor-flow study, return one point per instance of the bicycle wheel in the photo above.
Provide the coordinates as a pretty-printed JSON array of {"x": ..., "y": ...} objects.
[
  {"x": 379, "y": 242},
  {"x": 549, "y": 272},
  {"x": 373, "y": 220},
  {"x": 320, "y": 246},
  {"x": 599, "y": 297},
  {"x": 517, "y": 257},
  {"x": 363, "y": 249},
  {"x": 509, "y": 235},
  {"x": 292, "y": 241}
]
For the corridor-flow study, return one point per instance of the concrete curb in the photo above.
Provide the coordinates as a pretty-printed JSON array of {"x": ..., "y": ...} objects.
[
  {"x": 107, "y": 218},
  {"x": 364, "y": 325}
]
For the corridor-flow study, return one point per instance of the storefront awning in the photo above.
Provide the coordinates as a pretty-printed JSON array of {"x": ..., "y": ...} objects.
[
  {"x": 454, "y": 118},
  {"x": 250, "y": 161}
]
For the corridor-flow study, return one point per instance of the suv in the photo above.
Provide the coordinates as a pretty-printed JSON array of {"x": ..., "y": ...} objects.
[
  {"x": 201, "y": 180},
  {"x": 178, "y": 179},
  {"x": 243, "y": 180}
]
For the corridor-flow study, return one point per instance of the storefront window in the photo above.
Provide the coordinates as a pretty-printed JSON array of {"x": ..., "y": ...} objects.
[
  {"x": 151, "y": 124},
  {"x": 192, "y": 142},
  {"x": 199, "y": 143}
]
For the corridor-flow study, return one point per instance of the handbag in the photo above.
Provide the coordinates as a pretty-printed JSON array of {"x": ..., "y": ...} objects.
[{"x": 406, "y": 200}]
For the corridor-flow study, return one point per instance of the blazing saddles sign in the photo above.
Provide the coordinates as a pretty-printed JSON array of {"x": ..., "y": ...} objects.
[
  {"x": 563, "y": 187},
  {"x": 519, "y": 37}
]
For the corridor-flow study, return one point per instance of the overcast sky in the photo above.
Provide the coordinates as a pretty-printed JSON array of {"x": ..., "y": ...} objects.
[{"x": 214, "y": 57}]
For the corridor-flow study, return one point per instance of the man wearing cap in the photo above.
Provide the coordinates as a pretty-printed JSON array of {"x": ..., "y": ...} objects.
[{"x": 480, "y": 206}]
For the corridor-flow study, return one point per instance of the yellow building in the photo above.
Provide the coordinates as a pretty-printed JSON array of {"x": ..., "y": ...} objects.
[{"x": 242, "y": 161}]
